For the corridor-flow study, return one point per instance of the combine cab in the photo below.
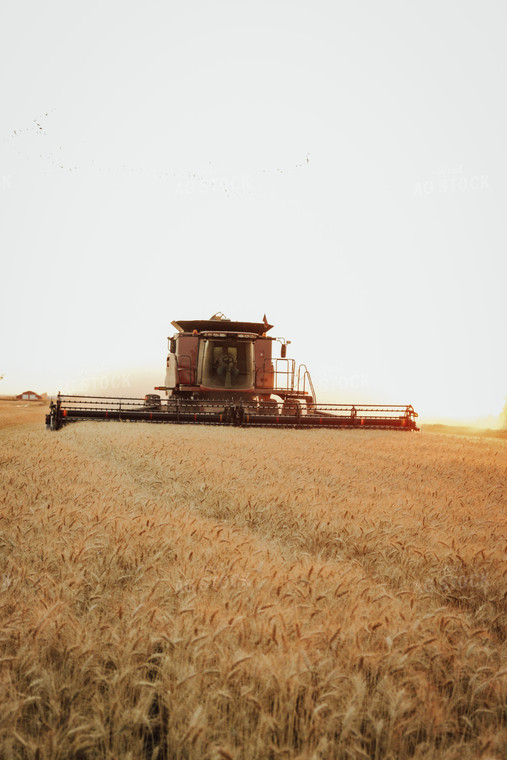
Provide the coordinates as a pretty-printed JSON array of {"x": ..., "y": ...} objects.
[
  {"x": 218, "y": 359},
  {"x": 224, "y": 372}
]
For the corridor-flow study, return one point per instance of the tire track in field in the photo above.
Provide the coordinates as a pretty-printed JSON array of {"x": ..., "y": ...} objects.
[{"x": 266, "y": 483}]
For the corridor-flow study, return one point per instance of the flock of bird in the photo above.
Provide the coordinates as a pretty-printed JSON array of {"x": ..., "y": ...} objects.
[{"x": 186, "y": 183}]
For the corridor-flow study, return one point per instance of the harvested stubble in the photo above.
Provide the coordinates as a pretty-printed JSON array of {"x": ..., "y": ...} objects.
[{"x": 181, "y": 592}]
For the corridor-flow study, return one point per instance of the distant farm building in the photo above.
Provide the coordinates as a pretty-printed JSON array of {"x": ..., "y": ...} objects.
[{"x": 29, "y": 396}]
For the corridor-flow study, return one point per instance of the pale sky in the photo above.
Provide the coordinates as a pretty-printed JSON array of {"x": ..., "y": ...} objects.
[{"x": 338, "y": 166}]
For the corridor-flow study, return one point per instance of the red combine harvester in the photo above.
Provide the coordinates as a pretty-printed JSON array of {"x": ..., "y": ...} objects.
[{"x": 221, "y": 372}]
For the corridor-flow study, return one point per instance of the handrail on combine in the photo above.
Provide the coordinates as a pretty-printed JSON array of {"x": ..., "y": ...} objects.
[
  {"x": 283, "y": 379},
  {"x": 303, "y": 379}
]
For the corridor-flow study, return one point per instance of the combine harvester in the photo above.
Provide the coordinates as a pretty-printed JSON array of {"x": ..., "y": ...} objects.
[{"x": 221, "y": 372}]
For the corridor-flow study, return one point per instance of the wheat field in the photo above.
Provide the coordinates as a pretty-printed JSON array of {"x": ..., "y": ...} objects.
[{"x": 203, "y": 593}]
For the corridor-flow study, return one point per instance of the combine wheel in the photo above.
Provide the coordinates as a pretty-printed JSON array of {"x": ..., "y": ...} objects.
[
  {"x": 152, "y": 401},
  {"x": 52, "y": 418},
  {"x": 291, "y": 408}
]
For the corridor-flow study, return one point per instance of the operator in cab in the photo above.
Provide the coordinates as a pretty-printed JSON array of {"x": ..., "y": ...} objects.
[{"x": 227, "y": 365}]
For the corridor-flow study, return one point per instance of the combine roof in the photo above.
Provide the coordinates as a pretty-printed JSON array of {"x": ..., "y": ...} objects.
[{"x": 220, "y": 325}]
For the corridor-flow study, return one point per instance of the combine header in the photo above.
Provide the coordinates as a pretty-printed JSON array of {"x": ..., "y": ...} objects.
[{"x": 221, "y": 372}]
